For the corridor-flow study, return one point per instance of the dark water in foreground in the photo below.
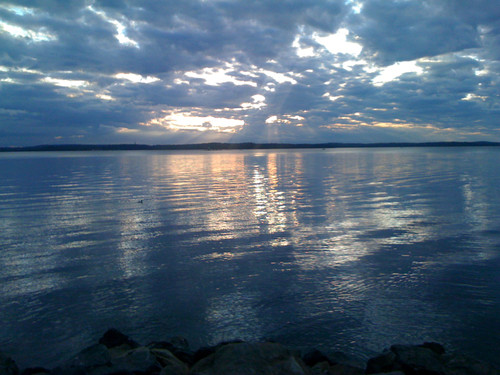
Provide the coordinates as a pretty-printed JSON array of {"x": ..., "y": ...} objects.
[{"x": 350, "y": 249}]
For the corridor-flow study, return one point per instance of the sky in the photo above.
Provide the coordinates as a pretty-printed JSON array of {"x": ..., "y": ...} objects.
[{"x": 292, "y": 71}]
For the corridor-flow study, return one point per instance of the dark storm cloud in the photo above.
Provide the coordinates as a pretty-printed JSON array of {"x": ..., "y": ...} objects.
[{"x": 303, "y": 70}]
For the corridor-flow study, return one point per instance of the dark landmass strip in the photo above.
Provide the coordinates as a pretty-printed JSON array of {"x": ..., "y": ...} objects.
[{"x": 237, "y": 146}]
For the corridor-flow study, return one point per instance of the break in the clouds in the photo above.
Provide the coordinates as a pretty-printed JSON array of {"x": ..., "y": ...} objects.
[{"x": 169, "y": 71}]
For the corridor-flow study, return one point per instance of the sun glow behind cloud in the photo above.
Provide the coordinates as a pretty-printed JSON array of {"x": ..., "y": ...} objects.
[
  {"x": 186, "y": 121},
  {"x": 338, "y": 43}
]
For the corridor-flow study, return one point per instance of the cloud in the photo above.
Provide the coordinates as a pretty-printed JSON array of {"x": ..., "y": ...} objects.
[
  {"x": 393, "y": 31},
  {"x": 295, "y": 70}
]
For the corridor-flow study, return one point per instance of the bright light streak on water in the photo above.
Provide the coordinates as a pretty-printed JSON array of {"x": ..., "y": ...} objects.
[{"x": 351, "y": 249}]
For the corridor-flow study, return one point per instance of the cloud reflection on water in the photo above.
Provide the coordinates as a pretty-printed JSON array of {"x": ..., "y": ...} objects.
[{"x": 350, "y": 248}]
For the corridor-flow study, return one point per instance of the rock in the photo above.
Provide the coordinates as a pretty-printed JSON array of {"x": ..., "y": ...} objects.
[
  {"x": 169, "y": 362},
  {"x": 344, "y": 369},
  {"x": 174, "y": 371},
  {"x": 93, "y": 356},
  {"x": 418, "y": 360},
  {"x": 138, "y": 360},
  {"x": 35, "y": 371},
  {"x": 7, "y": 365},
  {"x": 180, "y": 343},
  {"x": 314, "y": 356},
  {"x": 385, "y": 362},
  {"x": 324, "y": 368},
  {"x": 320, "y": 368},
  {"x": 178, "y": 347},
  {"x": 249, "y": 359},
  {"x": 463, "y": 365},
  {"x": 435, "y": 347},
  {"x": 113, "y": 338},
  {"x": 426, "y": 359},
  {"x": 208, "y": 350}
]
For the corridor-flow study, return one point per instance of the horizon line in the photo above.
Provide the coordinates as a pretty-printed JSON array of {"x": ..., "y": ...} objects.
[{"x": 237, "y": 146}]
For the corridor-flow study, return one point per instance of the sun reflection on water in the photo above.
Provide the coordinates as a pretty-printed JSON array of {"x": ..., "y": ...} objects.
[{"x": 340, "y": 245}]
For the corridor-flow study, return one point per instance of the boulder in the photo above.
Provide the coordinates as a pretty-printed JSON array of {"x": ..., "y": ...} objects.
[
  {"x": 312, "y": 357},
  {"x": 418, "y": 360},
  {"x": 93, "y": 356},
  {"x": 250, "y": 359},
  {"x": 344, "y": 369},
  {"x": 208, "y": 350},
  {"x": 384, "y": 362},
  {"x": 113, "y": 338},
  {"x": 35, "y": 371},
  {"x": 169, "y": 362},
  {"x": 435, "y": 347},
  {"x": 7, "y": 365},
  {"x": 464, "y": 365},
  {"x": 178, "y": 346},
  {"x": 425, "y": 359},
  {"x": 138, "y": 360}
]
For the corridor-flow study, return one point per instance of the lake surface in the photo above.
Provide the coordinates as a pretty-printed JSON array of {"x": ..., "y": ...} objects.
[{"x": 347, "y": 249}]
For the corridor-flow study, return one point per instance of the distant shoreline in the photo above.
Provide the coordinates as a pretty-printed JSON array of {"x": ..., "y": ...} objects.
[{"x": 213, "y": 146}]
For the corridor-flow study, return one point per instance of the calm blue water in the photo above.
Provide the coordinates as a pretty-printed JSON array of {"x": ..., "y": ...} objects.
[{"x": 352, "y": 249}]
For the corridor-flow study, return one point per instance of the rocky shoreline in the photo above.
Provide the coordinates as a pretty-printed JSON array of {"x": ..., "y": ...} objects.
[{"x": 117, "y": 354}]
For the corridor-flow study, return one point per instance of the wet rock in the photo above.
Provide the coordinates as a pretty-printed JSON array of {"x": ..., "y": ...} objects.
[
  {"x": 7, "y": 365},
  {"x": 249, "y": 359}
]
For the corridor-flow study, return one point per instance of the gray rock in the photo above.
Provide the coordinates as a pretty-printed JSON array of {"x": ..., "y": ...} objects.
[
  {"x": 250, "y": 359},
  {"x": 7, "y": 365}
]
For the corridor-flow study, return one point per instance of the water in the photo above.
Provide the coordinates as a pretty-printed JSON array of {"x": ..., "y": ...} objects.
[{"x": 348, "y": 249}]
